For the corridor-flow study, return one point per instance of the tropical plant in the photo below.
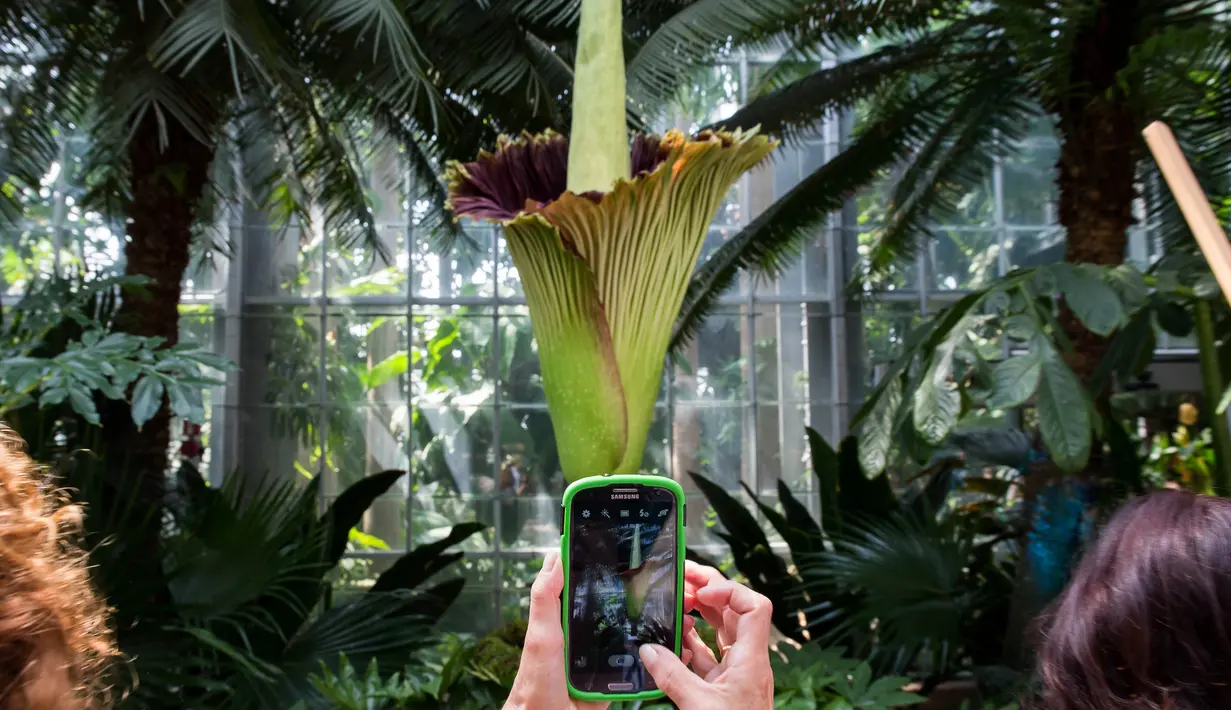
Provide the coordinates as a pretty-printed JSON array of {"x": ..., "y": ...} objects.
[
  {"x": 169, "y": 94},
  {"x": 445, "y": 679},
  {"x": 952, "y": 366},
  {"x": 1183, "y": 458},
  {"x": 234, "y": 606},
  {"x": 946, "y": 88},
  {"x": 814, "y": 677},
  {"x": 918, "y": 582},
  {"x": 452, "y": 677},
  {"x": 604, "y": 242},
  {"x": 58, "y": 347},
  {"x": 458, "y": 674}
]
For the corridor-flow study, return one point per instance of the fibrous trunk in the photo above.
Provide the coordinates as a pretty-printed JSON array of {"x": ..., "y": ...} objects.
[
  {"x": 169, "y": 168},
  {"x": 1100, "y": 143}
]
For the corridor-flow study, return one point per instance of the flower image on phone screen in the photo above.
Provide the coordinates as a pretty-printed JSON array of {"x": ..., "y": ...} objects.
[{"x": 622, "y": 572}]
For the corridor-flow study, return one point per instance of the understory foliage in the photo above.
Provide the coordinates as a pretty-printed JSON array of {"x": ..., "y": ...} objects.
[
  {"x": 913, "y": 581},
  {"x": 952, "y": 370},
  {"x": 462, "y": 675},
  {"x": 59, "y": 349},
  {"x": 234, "y": 607}
]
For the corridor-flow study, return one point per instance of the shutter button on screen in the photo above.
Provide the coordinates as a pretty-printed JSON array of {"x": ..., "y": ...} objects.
[{"x": 624, "y": 661}]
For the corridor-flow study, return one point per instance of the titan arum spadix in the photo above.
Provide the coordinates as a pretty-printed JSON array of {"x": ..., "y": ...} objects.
[{"x": 605, "y": 242}]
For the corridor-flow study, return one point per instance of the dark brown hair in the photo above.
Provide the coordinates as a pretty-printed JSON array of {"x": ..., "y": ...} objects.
[
  {"x": 1145, "y": 623},
  {"x": 54, "y": 638}
]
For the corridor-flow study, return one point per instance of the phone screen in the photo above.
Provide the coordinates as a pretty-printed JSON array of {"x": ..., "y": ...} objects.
[{"x": 622, "y": 592}]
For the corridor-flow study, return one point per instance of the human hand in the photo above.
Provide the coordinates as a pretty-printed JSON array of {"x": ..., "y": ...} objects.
[
  {"x": 540, "y": 683},
  {"x": 743, "y": 678}
]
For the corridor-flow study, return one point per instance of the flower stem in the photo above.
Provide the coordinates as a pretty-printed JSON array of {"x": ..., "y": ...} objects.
[{"x": 1212, "y": 381}]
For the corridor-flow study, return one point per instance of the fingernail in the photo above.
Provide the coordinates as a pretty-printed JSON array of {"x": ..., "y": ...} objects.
[{"x": 648, "y": 653}]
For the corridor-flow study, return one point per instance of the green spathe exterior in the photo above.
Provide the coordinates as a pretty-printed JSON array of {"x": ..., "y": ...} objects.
[{"x": 605, "y": 242}]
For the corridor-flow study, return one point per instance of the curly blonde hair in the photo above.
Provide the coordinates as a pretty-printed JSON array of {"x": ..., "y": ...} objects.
[{"x": 55, "y": 642}]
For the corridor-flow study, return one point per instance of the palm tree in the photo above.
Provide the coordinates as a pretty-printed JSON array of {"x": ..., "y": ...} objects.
[
  {"x": 167, "y": 93},
  {"x": 950, "y": 85}
]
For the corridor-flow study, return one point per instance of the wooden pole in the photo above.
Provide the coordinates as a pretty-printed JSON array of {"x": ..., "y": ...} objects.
[
  {"x": 1213, "y": 242},
  {"x": 1193, "y": 202}
]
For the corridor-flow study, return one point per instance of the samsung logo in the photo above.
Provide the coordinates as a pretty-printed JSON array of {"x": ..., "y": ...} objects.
[{"x": 625, "y": 496}]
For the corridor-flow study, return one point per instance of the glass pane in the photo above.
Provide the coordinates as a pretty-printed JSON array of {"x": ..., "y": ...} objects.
[
  {"x": 903, "y": 276},
  {"x": 962, "y": 259},
  {"x": 710, "y": 439},
  {"x": 657, "y": 443},
  {"x": 453, "y": 453},
  {"x": 781, "y": 352},
  {"x": 1031, "y": 247},
  {"x": 466, "y": 271},
  {"x": 528, "y": 452},
  {"x": 436, "y": 506},
  {"x": 280, "y": 356},
  {"x": 521, "y": 380},
  {"x": 886, "y": 327},
  {"x": 280, "y": 442},
  {"x": 1030, "y": 192},
  {"x": 451, "y": 355},
  {"x": 283, "y": 262},
  {"x": 363, "y": 439},
  {"x": 359, "y": 270},
  {"x": 367, "y": 355},
  {"x": 713, "y": 366},
  {"x": 782, "y": 444},
  {"x": 713, "y": 95}
]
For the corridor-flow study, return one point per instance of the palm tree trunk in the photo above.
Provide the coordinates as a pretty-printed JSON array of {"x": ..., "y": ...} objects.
[
  {"x": 1099, "y": 147},
  {"x": 167, "y": 181}
]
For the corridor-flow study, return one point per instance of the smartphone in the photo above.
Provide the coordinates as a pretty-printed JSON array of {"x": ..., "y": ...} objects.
[{"x": 623, "y": 554}]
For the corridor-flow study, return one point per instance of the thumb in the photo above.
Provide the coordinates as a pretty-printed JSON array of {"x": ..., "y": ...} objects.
[{"x": 673, "y": 677}]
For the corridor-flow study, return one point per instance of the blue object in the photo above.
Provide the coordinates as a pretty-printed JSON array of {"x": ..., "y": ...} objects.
[{"x": 1063, "y": 523}]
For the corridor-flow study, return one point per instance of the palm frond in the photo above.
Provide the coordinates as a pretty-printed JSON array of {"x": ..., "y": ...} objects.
[
  {"x": 222, "y": 31},
  {"x": 56, "y": 94},
  {"x": 425, "y": 170},
  {"x": 794, "y": 110},
  {"x": 391, "y": 36},
  {"x": 693, "y": 36},
  {"x": 991, "y": 115},
  {"x": 768, "y": 244},
  {"x": 1183, "y": 77},
  {"x": 909, "y": 578}
]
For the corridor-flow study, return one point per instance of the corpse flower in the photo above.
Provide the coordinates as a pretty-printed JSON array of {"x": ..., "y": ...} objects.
[{"x": 605, "y": 241}]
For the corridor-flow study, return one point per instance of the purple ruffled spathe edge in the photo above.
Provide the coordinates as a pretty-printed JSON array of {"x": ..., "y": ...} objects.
[{"x": 532, "y": 169}]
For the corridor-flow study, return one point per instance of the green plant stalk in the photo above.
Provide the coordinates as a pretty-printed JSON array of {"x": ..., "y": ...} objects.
[
  {"x": 1213, "y": 386},
  {"x": 598, "y": 144}
]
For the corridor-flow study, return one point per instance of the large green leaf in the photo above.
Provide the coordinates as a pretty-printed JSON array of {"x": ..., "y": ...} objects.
[
  {"x": 418, "y": 565},
  {"x": 861, "y": 497},
  {"x": 825, "y": 465},
  {"x": 1064, "y": 414},
  {"x": 147, "y": 398},
  {"x": 1130, "y": 352},
  {"x": 998, "y": 446},
  {"x": 1090, "y": 297},
  {"x": 937, "y": 399},
  {"x": 876, "y": 432},
  {"x": 766, "y": 572},
  {"x": 1130, "y": 285},
  {"x": 796, "y": 526},
  {"x": 1173, "y": 317},
  {"x": 346, "y": 512},
  {"x": 797, "y": 516},
  {"x": 1014, "y": 381}
]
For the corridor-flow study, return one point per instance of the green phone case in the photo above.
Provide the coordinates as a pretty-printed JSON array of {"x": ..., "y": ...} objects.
[{"x": 565, "y": 546}]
